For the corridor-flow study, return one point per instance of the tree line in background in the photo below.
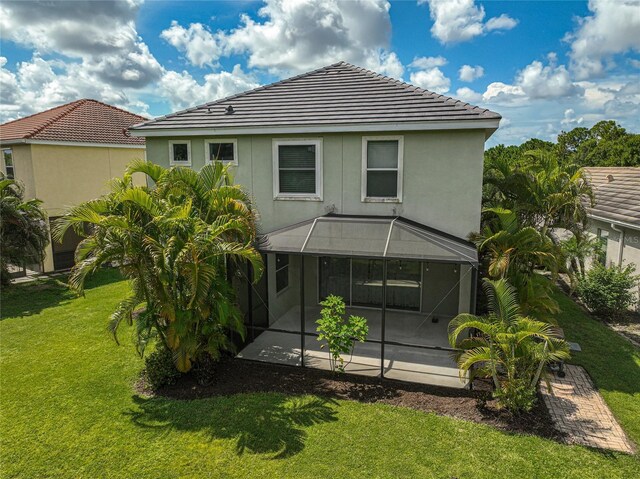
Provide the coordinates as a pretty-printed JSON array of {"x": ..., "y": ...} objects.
[
  {"x": 604, "y": 144},
  {"x": 534, "y": 227}
]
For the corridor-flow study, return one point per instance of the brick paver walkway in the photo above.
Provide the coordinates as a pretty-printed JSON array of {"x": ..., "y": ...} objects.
[{"x": 578, "y": 410}]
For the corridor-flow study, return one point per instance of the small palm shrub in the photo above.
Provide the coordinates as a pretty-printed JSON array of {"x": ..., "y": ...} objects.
[
  {"x": 339, "y": 333},
  {"x": 509, "y": 348},
  {"x": 160, "y": 369},
  {"x": 609, "y": 291}
]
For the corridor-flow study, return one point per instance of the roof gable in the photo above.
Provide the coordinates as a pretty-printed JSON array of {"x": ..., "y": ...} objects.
[
  {"x": 339, "y": 94},
  {"x": 84, "y": 121}
]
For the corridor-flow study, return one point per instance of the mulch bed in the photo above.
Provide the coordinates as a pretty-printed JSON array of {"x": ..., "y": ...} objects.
[{"x": 236, "y": 376}]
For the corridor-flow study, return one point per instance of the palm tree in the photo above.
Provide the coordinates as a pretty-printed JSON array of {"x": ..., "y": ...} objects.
[
  {"x": 24, "y": 234},
  {"x": 577, "y": 249},
  {"x": 174, "y": 242},
  {"x": 519, "y": 254},
  {"x": 508, "y": 347}
]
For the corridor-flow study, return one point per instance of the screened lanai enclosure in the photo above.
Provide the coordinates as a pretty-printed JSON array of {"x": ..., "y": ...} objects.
[{"x": 406, "y": 279}]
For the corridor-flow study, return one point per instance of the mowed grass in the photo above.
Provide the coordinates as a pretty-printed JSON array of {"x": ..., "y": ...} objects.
[{"x": 68, "y": 410}]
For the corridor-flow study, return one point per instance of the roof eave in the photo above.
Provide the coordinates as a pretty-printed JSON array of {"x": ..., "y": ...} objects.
[{"x": 490, "y": 125}]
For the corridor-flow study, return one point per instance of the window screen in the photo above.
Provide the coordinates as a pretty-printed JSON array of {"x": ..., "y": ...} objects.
[
  {"x": 297, "y": 169},
  {"x": 382, "y": 169},
  {"x": 221, "y": 152}
]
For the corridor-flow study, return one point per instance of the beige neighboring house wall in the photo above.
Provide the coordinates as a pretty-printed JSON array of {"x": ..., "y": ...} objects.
[{"x": 66, "y": 175}]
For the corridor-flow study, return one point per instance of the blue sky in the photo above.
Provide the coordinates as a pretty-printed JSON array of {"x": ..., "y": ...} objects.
[{"x": 545, "y": 66}]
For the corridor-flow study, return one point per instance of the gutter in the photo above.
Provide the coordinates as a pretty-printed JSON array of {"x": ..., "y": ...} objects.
[{"x": 614, "y": 222}]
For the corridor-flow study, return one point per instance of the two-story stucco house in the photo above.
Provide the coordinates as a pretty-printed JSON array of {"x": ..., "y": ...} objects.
[
  {"x": 367, "y": 188},
  {"x": 67, "y": 155}
]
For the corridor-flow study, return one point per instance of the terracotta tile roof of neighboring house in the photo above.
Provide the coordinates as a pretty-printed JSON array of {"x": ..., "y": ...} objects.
[
  {"x": 84, "y": 121},
  {"x": 339, "y": 94},
  {"x": 617, "y": 192}
]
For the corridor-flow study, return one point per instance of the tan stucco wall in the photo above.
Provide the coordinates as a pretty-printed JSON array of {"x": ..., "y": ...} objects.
[
  {"x": 23, "y": 167},
  {"x": 442, "y": 178},
  {"x": 63, "y": 176}
]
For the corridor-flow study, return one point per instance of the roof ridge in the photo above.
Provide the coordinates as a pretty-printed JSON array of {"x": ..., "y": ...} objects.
[
  {"x": 242, "y": 93},
  {"x": 113, "y": 107},
  {"x": 72, "y": 106},
  {"x": 69, "y": 106}
]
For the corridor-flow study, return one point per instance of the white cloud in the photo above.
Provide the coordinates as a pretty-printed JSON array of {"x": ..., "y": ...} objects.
[
  {"x": 613, "y": 28},
  {"x": 428, "y": 62},
  {"x": 468, "y": 73},
  {"x": 535, "y": 81},
  {"x": 468, "y": 95},
  {"x": 183, "y": 91},
  {"x": 570, "y": 119},
  {"x": 462, "y": 20},
  {"x": 293, "y": 36},
  {"x": 40, "y": 84},
  {"x": 503, "y": 22},
  {"x": 101, "y": 34},
  {"x": 432, "y": 80},
  {"x": 197, "y": 42}
]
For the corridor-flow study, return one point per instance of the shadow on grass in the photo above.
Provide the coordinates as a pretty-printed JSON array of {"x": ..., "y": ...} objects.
[
  {"x": 26, "y": 299},
  {"x": 270, "y": 424}
]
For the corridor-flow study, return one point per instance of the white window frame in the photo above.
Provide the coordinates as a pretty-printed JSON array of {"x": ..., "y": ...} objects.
[
  {"x": 6, "y": 167},
  {"x": 317, "y": 196},
  {"x": 207, "y": 156},
  {"x": 399, "y": 169},
  {"x": 179, "y": 142}
]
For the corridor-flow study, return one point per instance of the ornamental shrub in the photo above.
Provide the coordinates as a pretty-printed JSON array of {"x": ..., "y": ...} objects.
[
  {"x": 339, "y": 333},
  {"x": 608, "y": 292}
]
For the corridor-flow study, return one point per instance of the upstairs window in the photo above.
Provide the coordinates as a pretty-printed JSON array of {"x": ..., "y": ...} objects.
[
  {"x": 224, "y": 150},
  {"x": 297, "y": 169},
  {"x": 382, "y": 168},
  {"x": 180, "y": 152},
  {"x": 9, "y": 170}
]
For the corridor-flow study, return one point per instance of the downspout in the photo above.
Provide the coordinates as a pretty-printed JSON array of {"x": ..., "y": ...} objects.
[{"x": 620, "y": 242}]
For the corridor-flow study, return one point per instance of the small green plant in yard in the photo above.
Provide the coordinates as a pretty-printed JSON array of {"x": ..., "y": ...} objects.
[
  {"x": 160, "y": 369},
  {"x": 510, "y": 348},
  {"x": 609, "y": 291},
  {"x": 340, "y": 333}
]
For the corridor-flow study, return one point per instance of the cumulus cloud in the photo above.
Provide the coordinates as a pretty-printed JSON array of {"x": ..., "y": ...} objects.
[
  {"x": 200, "y": 46},
  {"x": 570, "y": 119},
  {"x": 468, "y": 73},
  {"x": 457, "y": 21},
  {"x": 101, "y": 34},
  {"x": 292, "y": 36},
  {"x": 535, "y": 81},
  {"x": 432, "y": 80},
  {"x": 428, "y": 62},
  {"x": 613, "y": 28},
  {"x": 183, "y": 91},
  {"x": 468, "y": 95},
  {"x": 40, "y": 84}
]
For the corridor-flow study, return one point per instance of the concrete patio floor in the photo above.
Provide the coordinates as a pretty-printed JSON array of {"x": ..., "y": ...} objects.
[{"x": 406, "y": 363}]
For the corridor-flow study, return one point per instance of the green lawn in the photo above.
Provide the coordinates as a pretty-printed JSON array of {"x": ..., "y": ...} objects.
[{"x": 68, "y": 410}]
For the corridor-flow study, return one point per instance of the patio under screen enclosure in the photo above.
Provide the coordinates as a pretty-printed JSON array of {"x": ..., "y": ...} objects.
[{"x": 406, "y": 279}]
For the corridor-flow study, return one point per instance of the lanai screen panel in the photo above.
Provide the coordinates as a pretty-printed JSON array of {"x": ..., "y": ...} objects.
[{"x": 369, "y": 237}]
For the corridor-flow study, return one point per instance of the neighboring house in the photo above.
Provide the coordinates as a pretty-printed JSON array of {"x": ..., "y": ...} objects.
[
  {"x": 615, "y": 218},
  {"x": 67, "y": 155},
  {"x": 367, "y": 188}
]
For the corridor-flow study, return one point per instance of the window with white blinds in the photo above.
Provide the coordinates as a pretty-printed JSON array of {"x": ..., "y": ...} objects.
[{"x": 297, "y": 169}]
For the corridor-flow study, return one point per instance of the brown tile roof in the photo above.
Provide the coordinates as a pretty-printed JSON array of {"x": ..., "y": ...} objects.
[
  {"x": 86, "y": 121},
  {"x": 339, "y": 94},
  {"x": 617, "y": 192}
]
